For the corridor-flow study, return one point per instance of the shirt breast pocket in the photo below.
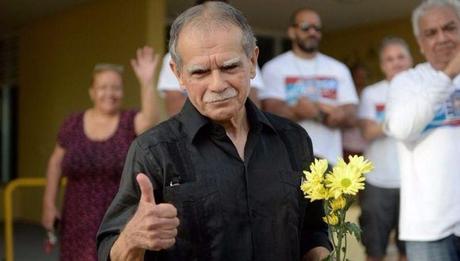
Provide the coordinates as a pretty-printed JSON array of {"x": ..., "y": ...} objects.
[
  {"x": 200, "y": 218},
  {"x": 291, "y": 181}
]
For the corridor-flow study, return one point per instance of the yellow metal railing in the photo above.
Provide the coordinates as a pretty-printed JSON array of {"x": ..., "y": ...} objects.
[{"x": 10, "y": 188}]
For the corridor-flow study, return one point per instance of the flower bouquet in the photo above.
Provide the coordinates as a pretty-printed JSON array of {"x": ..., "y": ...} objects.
[{"x": 338, "y": 189}]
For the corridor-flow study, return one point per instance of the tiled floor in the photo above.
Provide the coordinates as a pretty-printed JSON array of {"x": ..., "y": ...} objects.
[{"x": 29, "y": 238}]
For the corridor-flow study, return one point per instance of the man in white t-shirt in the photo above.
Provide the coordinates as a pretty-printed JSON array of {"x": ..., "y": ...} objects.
[
  {"x": 423, "y": 112},
  {"x": 311, "y": 88},
  {"x": 380, "y": 200},
  {"x": 175, "y": 96}
]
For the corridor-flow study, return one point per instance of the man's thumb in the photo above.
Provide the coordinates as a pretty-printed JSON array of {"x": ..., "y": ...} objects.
[{"x": 146, "y": 188}]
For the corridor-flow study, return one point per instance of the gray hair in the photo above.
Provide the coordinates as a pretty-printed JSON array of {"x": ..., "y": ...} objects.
[
  {"x": 428, "y": 5},
  {"x": 391, "y": 40},
  {"x": 211, "y": 14}
]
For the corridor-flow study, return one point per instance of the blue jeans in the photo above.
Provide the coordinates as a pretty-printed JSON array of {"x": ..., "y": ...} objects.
[{"x": 446, "y": 249}]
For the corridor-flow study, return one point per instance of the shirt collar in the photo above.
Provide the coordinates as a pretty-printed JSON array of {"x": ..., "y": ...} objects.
[{"x": 193, "y": 121}]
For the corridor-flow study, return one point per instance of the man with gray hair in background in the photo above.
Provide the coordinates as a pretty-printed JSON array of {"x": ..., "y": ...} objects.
[
  {"x": 221, "y": 179},
  {"x": 423, "y": 113}
]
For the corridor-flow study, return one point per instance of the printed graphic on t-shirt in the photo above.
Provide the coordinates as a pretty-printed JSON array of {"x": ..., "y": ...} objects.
[
  {"x": 448, "y": 114},
  {"x": 379, "y": 112},
  {"x": 315, "y": 88}
]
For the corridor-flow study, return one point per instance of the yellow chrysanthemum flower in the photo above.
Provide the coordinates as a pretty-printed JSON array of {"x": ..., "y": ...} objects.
[
  {"x": 344, "y": 180},
  {"x": 313, "y": 188},
  {"x": 311, "y": 181},
  {"x": 338, "y": 203},
  {"x": 318, "y": 193},
  {"x": 331, "y": 219},
  {"x": 313, "y": 177},
  {"x": 337, "y": 189},
  {"x": 313, "y": 185},
  {"x": 319, "y": 166},
  {"x": 358, "y": 162}
]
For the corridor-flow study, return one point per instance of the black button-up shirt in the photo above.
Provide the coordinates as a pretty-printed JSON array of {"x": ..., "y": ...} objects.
[{"x": 229, "y": 208}]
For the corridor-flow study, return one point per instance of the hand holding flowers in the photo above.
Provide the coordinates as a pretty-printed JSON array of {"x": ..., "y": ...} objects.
[{"x": 338, "y": 188}]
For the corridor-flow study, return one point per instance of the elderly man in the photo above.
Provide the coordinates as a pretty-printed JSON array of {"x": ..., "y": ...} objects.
[
  {"x": 311, "y": 88},
  {"x": 220, "y": 179},
  {"x": 175, "y": 97},
  {"x": 423, "y": 112},
  {"x": 380, "y": 200}
]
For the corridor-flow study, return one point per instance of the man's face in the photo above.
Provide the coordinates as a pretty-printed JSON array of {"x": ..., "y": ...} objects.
[
  {"x": 215, "y": 70},
  {"x": 439, "y": 36},
  {"x": 306, "y": 32},
  {"x": 394, "y": 59}
]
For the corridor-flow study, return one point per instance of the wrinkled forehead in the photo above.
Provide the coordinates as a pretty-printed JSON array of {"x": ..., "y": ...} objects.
[
  {"x": 210, "y": 39},
  {"x": 438, "y": 17},
  {"x": 199, "y": 30}
]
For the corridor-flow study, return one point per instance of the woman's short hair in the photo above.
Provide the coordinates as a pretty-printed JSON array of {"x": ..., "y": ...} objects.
[{"x": 102, "y": 67}]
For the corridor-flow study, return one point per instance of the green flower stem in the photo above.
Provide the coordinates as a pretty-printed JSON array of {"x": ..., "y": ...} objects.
[
  {"x": 331, "y": 232},
  {"x": 339, "y": 239},
  {"x": 346, "y": 248},
  {"x": 341, "y": 236},
  {"x": 333, "y": 242},
  {"x": 349, "y": 201}
]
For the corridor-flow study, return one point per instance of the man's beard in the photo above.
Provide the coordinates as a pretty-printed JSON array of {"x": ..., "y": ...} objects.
[{"x": 309, "y": 45}]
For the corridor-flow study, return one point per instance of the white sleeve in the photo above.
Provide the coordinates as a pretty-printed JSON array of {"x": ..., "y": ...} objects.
[
  {"x": 366, "y": 109},
  {"x": 167, "y": 81},
  {"x": 413, "y": 101},
  {"x": 347, "y": 90},
  {"x": 274, "y": 83},
  {"x": 257, "y": 82}
]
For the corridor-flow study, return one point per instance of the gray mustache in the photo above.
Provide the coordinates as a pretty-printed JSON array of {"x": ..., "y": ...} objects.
[{"x": 215, "y": 97}]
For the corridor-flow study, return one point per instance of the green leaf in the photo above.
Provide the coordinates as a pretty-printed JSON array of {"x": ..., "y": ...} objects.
[{"x": 353, "y": 229}]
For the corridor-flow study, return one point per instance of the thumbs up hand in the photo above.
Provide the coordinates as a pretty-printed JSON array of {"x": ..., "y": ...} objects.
[
  {"x": 153, "y": 226},
  {"x": 146, "y": 189}
]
